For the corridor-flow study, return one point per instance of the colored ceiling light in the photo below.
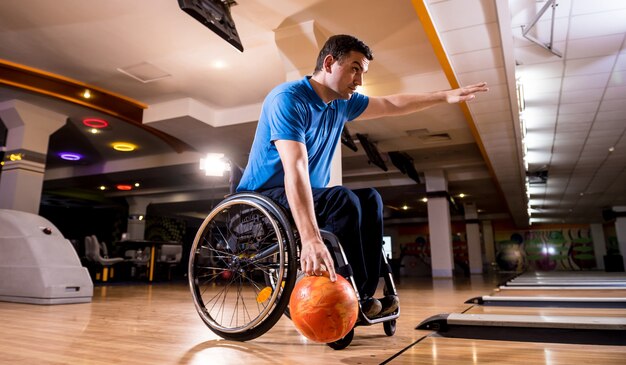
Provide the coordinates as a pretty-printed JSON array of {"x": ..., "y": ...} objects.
[
  {"x": 123, "y": 187},
  {"x": 69, "y": 156},
  {"x": 124, "y": 146},
  {"x": 95, "y": 123}
]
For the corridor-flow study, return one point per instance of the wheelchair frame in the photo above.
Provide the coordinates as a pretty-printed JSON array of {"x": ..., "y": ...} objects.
[{"x": 244, "y": 263}]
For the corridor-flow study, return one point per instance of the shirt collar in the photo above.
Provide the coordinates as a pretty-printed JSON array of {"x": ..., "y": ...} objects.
[{"x": 319, "y": 103}]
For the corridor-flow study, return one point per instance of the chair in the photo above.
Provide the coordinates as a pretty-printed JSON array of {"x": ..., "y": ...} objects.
[
  {"x": 94, "y": 253},
  {"x": 140, "y": 259},
  {"x": 245, "y": 257},
  {"x": 170, "y": 255}
]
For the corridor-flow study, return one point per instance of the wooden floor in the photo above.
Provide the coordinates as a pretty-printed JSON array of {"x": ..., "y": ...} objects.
[{"x": 157, "y": 324}]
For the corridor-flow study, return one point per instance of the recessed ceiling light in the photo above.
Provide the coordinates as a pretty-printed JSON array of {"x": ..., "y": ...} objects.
[
  {"x": 87, "y": 94},
  {"x": 102, "y": 187},
  {"x": 611, "y": 149},
  {"x": 123, "y": 146},
  {"x": 136, "y": 184},
  {"x": 69, "y": 156},
  {"x": 95, "y": 123},
  {"x": 425, "y": 200},
  {"x": 461, "y": 195},
  {"x": 123, "y": 187},
  {"x": 405, "y": 207}
]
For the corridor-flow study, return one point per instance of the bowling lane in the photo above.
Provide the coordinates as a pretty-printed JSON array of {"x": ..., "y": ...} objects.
[
  {"x": 597, "y": 293},
  {"x": 599, "y": 312},
  {"x": 440, "y": 350}
]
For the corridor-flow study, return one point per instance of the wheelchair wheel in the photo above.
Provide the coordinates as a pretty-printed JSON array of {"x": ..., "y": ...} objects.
[
  {"x": 242, "y": 267},
  {"x": 342, "y": 343},
  {"x": 390, "y": 327}
]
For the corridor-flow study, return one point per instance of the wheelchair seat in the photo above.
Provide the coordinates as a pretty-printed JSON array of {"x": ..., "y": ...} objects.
[{"x": 244, "y": 264}]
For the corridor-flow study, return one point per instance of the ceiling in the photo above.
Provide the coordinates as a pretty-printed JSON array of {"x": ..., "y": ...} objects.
[{"x": 208, "y": 95}]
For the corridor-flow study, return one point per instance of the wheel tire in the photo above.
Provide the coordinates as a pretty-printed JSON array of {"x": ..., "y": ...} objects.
[
  {"x": 343, "y": 342},
  {"x": 390, "y": 327}
]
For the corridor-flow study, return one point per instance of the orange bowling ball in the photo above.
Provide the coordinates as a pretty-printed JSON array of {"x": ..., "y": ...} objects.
[{"x": 321, "y": 310}]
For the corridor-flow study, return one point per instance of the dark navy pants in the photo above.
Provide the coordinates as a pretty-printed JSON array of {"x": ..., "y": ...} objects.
[{"x": 356, "y": 218}]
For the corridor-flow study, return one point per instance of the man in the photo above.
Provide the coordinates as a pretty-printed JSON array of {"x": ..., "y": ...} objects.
[{"x": 298, "y": 130}]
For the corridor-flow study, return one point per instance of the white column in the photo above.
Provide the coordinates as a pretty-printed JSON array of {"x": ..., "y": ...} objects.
[
  {"x": 599, "y": 244},
  {"x": 28, "y": 132},
  {"x": 472, "y": 229},
  {"x": 137, "y": 208},
  {"x": 442, "y": 262},
  {"x": 488, "y": 241},
  {"x": 620, "y": 229}
]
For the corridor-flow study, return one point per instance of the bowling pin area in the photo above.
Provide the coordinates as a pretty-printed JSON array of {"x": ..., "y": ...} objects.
[{"x": 533, "y": 318}]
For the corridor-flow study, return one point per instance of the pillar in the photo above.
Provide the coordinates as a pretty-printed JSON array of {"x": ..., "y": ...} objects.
[
  {"x": 472, "y": 229},
  {"x": 488, "y": 241},
  {"x": 441, "y": 254},
  {"x": 28, "y": 132},
  {"x": 137, "y": 208},
  {"x": 620, "y": 229},
  {"x": 599, "y": 244}
]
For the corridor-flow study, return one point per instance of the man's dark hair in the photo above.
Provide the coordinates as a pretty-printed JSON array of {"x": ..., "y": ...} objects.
[{"x": 340, "y": 46}]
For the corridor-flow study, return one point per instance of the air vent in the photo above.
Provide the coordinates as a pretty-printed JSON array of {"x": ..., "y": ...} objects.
[
  {"x": 427, "y": 137},
  {"x": 537, "y": 177},
  {"x": 144, "y": 72},
  {"x": 435, "y": 137}
]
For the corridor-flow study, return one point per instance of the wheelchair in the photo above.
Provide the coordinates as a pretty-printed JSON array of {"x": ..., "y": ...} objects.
[{"x": 244, "y": 264}]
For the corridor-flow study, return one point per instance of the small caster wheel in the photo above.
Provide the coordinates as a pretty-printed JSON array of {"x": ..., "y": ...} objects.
[
  {"x": 342, "y": 343},
  {"x": 390, "y": 327}
]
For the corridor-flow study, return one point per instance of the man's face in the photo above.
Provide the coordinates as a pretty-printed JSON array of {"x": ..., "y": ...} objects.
[{"x": 347, "y": 74}]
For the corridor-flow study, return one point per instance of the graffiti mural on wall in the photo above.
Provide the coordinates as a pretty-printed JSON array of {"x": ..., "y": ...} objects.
[{"x": 546, "y": 250}]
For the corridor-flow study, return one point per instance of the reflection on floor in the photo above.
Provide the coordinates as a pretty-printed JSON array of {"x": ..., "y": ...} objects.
[{"x": 158, "y": 324}]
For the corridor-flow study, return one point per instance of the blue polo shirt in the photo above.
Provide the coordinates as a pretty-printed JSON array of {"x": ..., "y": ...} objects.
[{"x": 293, "y": 111}]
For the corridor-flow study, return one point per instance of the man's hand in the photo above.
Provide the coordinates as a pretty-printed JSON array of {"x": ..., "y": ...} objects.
[
  {"x": 314, "y": 258},
  {"x": 465, "y": 93}
]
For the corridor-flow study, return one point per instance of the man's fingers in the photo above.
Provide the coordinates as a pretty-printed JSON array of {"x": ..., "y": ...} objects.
[{"x": 331, "y": 272}]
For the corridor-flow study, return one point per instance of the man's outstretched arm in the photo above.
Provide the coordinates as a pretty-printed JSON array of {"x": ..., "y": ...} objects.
[{"x": 401, "y": 104}]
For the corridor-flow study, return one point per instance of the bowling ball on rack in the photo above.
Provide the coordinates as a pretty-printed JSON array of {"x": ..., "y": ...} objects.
[{"x": 321, "y": 310}]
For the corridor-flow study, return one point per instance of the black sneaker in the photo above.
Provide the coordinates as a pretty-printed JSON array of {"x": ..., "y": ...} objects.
[
  {"x": 389, "y": 304},
  {"x": 370, "y": 307}
]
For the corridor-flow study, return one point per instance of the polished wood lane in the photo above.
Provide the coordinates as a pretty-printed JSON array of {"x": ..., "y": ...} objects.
[
  {"x": 544, "y": 311},
  {"x": 599, "y": 293},
  {"x": 157, "y": 324},
  {"x": 454, "y": 351}
]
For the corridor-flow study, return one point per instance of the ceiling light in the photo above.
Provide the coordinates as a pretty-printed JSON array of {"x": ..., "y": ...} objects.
[
  {"x": 136, "y": 184},
  {"x": 95, "y": 123},
  {"x": 94, "y": 131},
  {"x": 87, "y": 94},
  {"x": 16, "y": 156},
  {"x": 219, "y": 64},
  {"x": 214, "y": 164},
  {"x": 405, "y": 207},
  {"x": 70, "y": 156},
  {"x": 123, "y": 146},
  {"x": 425, "y": 200},
  {"x": 123, "y": 187},
  {"x": 102, "y": 187},
  {"x": 461, "y": 195},
  {"x": 611, "y": 149}
]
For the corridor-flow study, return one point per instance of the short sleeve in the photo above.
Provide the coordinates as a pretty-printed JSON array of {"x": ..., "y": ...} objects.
[
  {"x": 286, "y": 118},
  {"x": 356, "y": 105}
]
